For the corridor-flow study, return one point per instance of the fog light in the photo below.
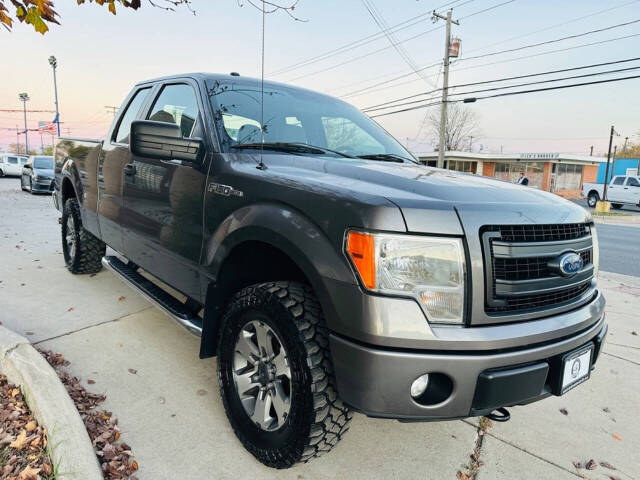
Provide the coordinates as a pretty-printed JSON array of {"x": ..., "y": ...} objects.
[{"x": 419, "y": 385}]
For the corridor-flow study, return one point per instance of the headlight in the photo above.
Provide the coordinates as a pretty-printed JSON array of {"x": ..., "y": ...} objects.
[
  {"x": 595, "y": 252},
  {"x": 429, "y": 269}
]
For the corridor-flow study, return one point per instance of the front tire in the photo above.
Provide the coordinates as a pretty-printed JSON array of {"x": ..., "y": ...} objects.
[
  {"x": 314, "y": 419},
  {"x": 82, "y": 251},
  {"x": 592, "y": 199}
]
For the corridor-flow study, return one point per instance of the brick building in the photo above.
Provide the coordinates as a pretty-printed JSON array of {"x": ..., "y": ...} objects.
[{"x": 559, "y": 173}]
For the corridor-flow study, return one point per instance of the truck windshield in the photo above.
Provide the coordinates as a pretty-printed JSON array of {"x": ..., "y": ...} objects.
[
  {"x": 298, "y": 117},
  {"x": 44, "y": 163}
]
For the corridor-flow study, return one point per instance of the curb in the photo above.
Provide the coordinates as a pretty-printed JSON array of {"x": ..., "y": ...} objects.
[
  {"x": 617, "y": 220},
  {"x": 71, "y": 448}
]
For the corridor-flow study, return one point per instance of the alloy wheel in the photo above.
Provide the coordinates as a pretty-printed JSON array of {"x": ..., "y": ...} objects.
[
  {"x": 262, "y": 375},
  {"x": 70, "y": 238}
]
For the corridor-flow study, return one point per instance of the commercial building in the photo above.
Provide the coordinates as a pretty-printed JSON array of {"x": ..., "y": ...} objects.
[{"x": 559, "y": 173}]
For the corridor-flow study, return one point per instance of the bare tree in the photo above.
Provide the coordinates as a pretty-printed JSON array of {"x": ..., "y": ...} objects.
[{"x": 462, "y": 124}]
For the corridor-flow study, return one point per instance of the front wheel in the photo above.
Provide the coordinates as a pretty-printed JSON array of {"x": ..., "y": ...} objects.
[
  {"x": 82, "y": 251},
  {"x": 276, "y": 375}
]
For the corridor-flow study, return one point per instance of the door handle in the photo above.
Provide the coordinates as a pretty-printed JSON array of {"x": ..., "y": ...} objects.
[{"x": 129, "y": 169}]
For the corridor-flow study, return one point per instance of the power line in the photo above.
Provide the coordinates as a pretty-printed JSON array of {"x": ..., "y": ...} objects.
[
  {"x": 547, "y": 42},
  {"x": 362, "y": 41},
  {"x": 503, "y": 79},
  {"x": 487, "y": 9},
  {"x": 572, "y": 20},
  {"x": 506, "y": 94},
  {"x": 549, "y": 52},
  {"x": 421, "y": 34}
]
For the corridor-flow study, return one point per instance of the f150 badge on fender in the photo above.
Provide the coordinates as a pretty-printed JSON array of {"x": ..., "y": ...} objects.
[{"x": 225, "y": 190}]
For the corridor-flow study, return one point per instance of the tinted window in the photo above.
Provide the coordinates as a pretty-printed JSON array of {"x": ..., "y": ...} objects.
[
  {"x": 45, "y": 163},
  {"x": 618, "y": 181},
  {"x": 176, "y": 104},
  {"x": 23, "y": 161},
  {"x": 13, "y": 160},
  {"x": 633, "y": 182},
  {"x": 130, "y": 114}
]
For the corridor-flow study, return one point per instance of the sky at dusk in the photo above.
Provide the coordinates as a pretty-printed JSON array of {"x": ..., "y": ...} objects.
[{"x": 102, "y": 56}]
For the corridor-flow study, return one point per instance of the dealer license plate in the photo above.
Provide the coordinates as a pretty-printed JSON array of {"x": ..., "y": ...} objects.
[{"x": 576, "y": 368}]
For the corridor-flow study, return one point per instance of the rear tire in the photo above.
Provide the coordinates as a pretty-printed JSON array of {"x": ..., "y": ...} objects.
[
  {"x": 592, "y": 199},
  {"x": 315, "y": 419},
  {"x": 82, "y": 251},
  {"x": 617, "y": 206}
]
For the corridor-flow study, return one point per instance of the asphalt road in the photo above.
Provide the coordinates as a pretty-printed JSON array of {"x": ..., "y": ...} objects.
[
  {"x": 631, "y": 209},
  {"x": 619, "y": 249}
]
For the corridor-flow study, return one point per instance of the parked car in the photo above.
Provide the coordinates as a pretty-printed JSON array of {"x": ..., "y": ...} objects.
[
  {"x": 325, "y": 267},
  {"x": 622, "y": 190},
  {"x": 11, "y": 164},
  {"x": 37, "y": 174}
]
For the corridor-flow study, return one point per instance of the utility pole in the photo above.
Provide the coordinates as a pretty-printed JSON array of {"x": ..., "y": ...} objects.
[
  {"x": 445, "y": 84},
  {"x": 112, "y": 110},
  {"x": 606, "y": 172},
  {"x": 24, "y": 98},
  {"x": 471, "y": 143},
  {"x": 624, "y": 149},
  {"x": 591, "y": 154},
  {"x": 18, "y": 139},
  {"x": 54, "y": 64}
]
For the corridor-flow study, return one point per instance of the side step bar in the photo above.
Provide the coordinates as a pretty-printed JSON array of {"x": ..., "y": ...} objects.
[{"x": 170, "y": 305}]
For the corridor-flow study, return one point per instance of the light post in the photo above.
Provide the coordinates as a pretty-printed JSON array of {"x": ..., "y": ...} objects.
[
  {"x": 54, "y": 64},
  {"x": 24, "y": 98}
]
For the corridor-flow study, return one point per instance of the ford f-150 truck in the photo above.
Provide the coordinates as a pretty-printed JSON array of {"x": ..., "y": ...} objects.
[
  {"x": 622, "y": 190},
  {"x": 325, "y": 267}
]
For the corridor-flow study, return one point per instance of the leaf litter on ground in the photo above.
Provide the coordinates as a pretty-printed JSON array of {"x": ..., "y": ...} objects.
[{"x": 114, "y": 456}]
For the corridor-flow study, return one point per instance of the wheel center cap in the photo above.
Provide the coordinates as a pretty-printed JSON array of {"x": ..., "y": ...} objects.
[{"x": 264, "y": 373}]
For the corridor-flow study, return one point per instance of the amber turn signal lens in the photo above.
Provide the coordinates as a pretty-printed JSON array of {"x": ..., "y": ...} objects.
[{"x": 361, "y": 250}]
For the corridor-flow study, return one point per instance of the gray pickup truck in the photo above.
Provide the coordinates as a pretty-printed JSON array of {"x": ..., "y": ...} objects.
[{"x": 325, "y": 267}]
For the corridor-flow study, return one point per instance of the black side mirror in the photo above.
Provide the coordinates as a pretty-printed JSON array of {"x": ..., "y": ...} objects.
[{"x": 164, "y": 141}]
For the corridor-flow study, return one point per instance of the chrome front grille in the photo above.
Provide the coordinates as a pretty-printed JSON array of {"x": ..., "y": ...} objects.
[{"x": 519, "y": 275}]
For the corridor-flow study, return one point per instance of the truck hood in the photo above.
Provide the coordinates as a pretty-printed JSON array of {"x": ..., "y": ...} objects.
[{"x": 429, "y": 196}]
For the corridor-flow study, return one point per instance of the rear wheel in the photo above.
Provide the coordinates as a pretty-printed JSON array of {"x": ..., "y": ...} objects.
[
  {"x": 592, "y": 199},
  {"x": 1, "y": 173},
  {"x": 617, "y": 206},
  {"x": 276, "y": 375},
  {"x": 82, "y": 251}
]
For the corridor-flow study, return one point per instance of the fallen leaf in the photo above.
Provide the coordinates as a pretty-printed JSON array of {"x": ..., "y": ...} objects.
[
  {"x": 14, "y": 392},
  {"x": 634, "y": 332},
  {"x": 31, "y": 426},
  {"x": 578, "y": 465},
  {"x": 20, "y": 442},
  {"x": 91, "y": 382},
  {"x": 134, "y": 466},
  {"x": 29, "y": 473},
  {"x": 606, "y": 410},
  {"x": 118, "y": 345},
  {"x": 121, "y": 299},
  {"x": 617, "y": 437},
  {"x": 462, "y": 476},
  {"x": 133, "y": 371},
  {"x": 46, "y": 469},
  {"x": 201, "y": 392},
  {"x": 70, "y": 309},
  {"x": 564, "y": 411},
  {"x": 591, "y": 465},
  {"x": 607, "y": 465}
]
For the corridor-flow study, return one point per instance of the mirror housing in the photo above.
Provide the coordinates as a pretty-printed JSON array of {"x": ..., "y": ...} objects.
[{"x": 164, "y": 141}]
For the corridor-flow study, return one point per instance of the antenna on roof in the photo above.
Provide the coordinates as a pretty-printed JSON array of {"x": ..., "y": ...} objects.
[{"x": 261, "y": 165}]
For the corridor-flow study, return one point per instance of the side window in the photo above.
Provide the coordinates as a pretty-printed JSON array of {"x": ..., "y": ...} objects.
[
  {"x": 130, "y": 114},
  {"x": 176, "y": 104},
  {"x": 23, "y": 161},
  {"x": 13, "y": 160},
  {"x": 633, "y": 182},
  {"x": 618, "y": 181}
]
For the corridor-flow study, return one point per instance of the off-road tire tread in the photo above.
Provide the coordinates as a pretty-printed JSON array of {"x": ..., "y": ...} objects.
[
  {"x": 330, "y": 416},
  {"x": 89, "y": 249}
]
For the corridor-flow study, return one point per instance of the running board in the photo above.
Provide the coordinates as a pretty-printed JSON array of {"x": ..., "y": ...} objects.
[{"x": 170, "y": 305}]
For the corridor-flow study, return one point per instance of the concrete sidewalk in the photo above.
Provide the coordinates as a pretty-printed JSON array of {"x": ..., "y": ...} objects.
[{"x": 171, "y": 414}]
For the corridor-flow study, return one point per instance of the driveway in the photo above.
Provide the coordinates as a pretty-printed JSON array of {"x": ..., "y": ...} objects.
[{"x": 171, "y": 414}]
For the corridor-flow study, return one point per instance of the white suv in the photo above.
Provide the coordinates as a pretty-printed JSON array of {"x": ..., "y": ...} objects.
[{"x": 11, "y": 164}]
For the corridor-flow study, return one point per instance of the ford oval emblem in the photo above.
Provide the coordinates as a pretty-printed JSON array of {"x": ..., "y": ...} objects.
[{"x": 570, "y": 264}]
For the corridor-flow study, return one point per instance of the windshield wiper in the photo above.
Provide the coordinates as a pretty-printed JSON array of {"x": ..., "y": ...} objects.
[
  {"x": 385, "y": 157},
  {"x": 291, "y": 147}
]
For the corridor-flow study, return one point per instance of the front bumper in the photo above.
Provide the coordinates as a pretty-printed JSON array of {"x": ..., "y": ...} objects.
[
  {"x": 42, "y": 186},
  {"x": 377, "y": 380}
]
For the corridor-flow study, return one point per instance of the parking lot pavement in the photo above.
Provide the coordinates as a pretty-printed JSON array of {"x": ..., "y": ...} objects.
[
  {"x": 631, "y": 209},
  {"x": 170, "y": 411}
]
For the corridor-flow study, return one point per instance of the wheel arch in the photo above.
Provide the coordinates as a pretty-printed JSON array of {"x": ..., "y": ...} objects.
[{"x": 266, "y": 242}]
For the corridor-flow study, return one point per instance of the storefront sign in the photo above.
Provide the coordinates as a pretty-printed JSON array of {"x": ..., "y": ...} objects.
[{"x": 539, "y": 156}]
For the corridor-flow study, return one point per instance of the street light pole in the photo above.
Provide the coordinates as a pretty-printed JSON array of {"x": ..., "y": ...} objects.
[
  {"x": 24, "y": 98},
  {"x": 54, "y": 64},
  {"x": 606, "y": 172}
]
